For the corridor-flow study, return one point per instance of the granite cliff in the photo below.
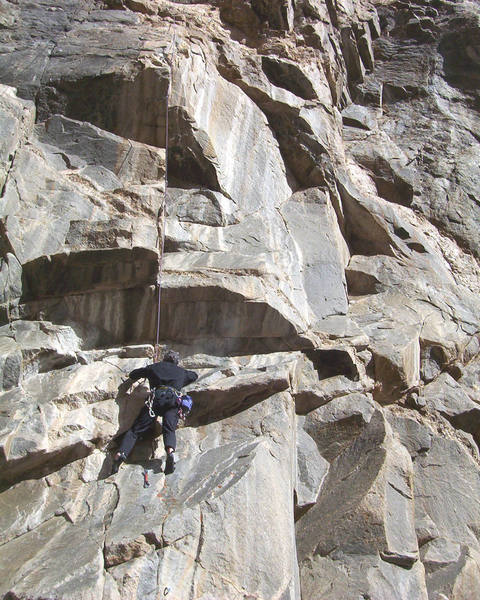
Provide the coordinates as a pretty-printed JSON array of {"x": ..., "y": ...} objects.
[{"x": 320, "y": 271}]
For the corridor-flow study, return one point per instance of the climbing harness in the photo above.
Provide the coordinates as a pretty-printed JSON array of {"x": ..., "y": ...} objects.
[
  {"x": 151, "y": 397},
  {"x": 165, "y": 197}
]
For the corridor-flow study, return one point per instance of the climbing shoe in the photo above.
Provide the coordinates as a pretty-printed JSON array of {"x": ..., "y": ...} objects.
[
  {"x": 116, "y": 463},
  {"x": 115, "y": 466},
  {"x": 170, "y": 464}
]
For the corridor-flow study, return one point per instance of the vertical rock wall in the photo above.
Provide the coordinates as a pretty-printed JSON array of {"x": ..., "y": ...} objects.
[{"x": 320, "y": 272}]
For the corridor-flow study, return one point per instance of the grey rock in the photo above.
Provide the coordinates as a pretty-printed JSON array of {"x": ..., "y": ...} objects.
[
  {"x": 398, "y": 63},
  {"x": 81, "y": 145},
  {"x": 353, "y": 62},
  {"x": 287, "y": 74},
  {"x": 359, "y": 116},
  {"x": 311, "y": 220},
  {"x": 336, "y": 425},
  {"x": 39, "y": 552},
  {"x": 192, "y": 272},
  {"x": 469, "y": 379},
  {"x": 387, "y": 164},
  {"x": 133, "y": 577},
  {"x": 433, "y": 358},
  {"x": 426, "y": 530},
  {"x": 10, "y": 280},
  {"x": 102, "y": 318},
  {"x": 357, "y": 525},
  {"x": 458, "y": 578},
  {"x": 64, "y": 274},
  {"x": 448, "y": 397},
  {"x": 439, "y": 553},
  {"x": 218, "y": 397},
  {"x": 30, "y": 348},
  {"x": 195, "y": 114},
  {"x": 17, "y": 117},
  {"x": 320, "y": 230},
  {"x": 324, "y": 577},
  {"x": 416, "y": 438},
  {"x": 251, "y": 13},
  {"x": 75, "y": 409},
  {"x": 325, "y": 374},
  {"x": 389, "y": 472},
  {"x": 303, "y": 128},
  {"x": 311, "y": 470},
  {"x": 398, "y": 368},
  {"x": 202, "y": 206},
  {"x": 444, "y": 472},
  {"x": 68, "y": 202},
  {"x": 216, "y": 478}
]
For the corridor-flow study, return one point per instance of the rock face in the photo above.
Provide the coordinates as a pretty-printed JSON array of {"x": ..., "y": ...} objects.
[{"x": 298, "y": 181}]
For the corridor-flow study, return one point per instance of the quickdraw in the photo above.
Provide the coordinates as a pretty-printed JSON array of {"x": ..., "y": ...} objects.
[
  {"x": 146, "y": 483},
  {"x": 149, "y": 403}
]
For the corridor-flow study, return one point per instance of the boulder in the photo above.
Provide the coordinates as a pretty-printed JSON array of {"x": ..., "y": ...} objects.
[
  {"x": 359, "y": 116},
  {"x": 287, "y": 74},
  {"x": 225, "y": 396}
]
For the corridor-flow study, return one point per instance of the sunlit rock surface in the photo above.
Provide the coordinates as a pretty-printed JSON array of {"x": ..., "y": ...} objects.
[{"x": 302, "y": 177}]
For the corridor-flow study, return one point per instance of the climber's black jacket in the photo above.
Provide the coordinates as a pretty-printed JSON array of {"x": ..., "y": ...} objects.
[{"x": 164, "y": 373}]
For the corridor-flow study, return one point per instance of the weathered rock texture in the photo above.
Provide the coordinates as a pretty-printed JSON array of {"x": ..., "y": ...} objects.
[{"x": 319, "y": 270}]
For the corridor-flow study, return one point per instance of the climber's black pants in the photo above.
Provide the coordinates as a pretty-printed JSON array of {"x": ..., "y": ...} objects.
[{"x": 164, "y": 406}]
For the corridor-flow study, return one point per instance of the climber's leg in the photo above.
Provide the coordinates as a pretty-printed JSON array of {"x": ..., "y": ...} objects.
[
  {"x": 169, "y": 425},
  {"x": 142, "y": 424}
]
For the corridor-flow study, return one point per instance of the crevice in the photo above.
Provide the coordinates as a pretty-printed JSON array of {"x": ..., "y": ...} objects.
[
  {"x": 5, "y": 244},
  {"x": 56, "y": 516},
  {"x": 51, "y": 48},
  {"x": 106, "y": 101},
  {"x": 41, "y": 465},
  {"x": 463, "y": 243},
  {"x": 401, "y": 492},
  {"x": 11, "y": 159},
  {"x": 305, "y": 166},
  {"x": 332, "y": 362},
  {"x": 198, "y": 564}
]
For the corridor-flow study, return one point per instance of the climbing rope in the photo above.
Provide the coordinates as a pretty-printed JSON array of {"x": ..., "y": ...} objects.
[{"x": 165, "y": 198}]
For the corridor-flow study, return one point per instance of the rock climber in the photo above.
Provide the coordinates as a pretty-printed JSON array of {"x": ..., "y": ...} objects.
[{"x": 166, "y": 378}]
